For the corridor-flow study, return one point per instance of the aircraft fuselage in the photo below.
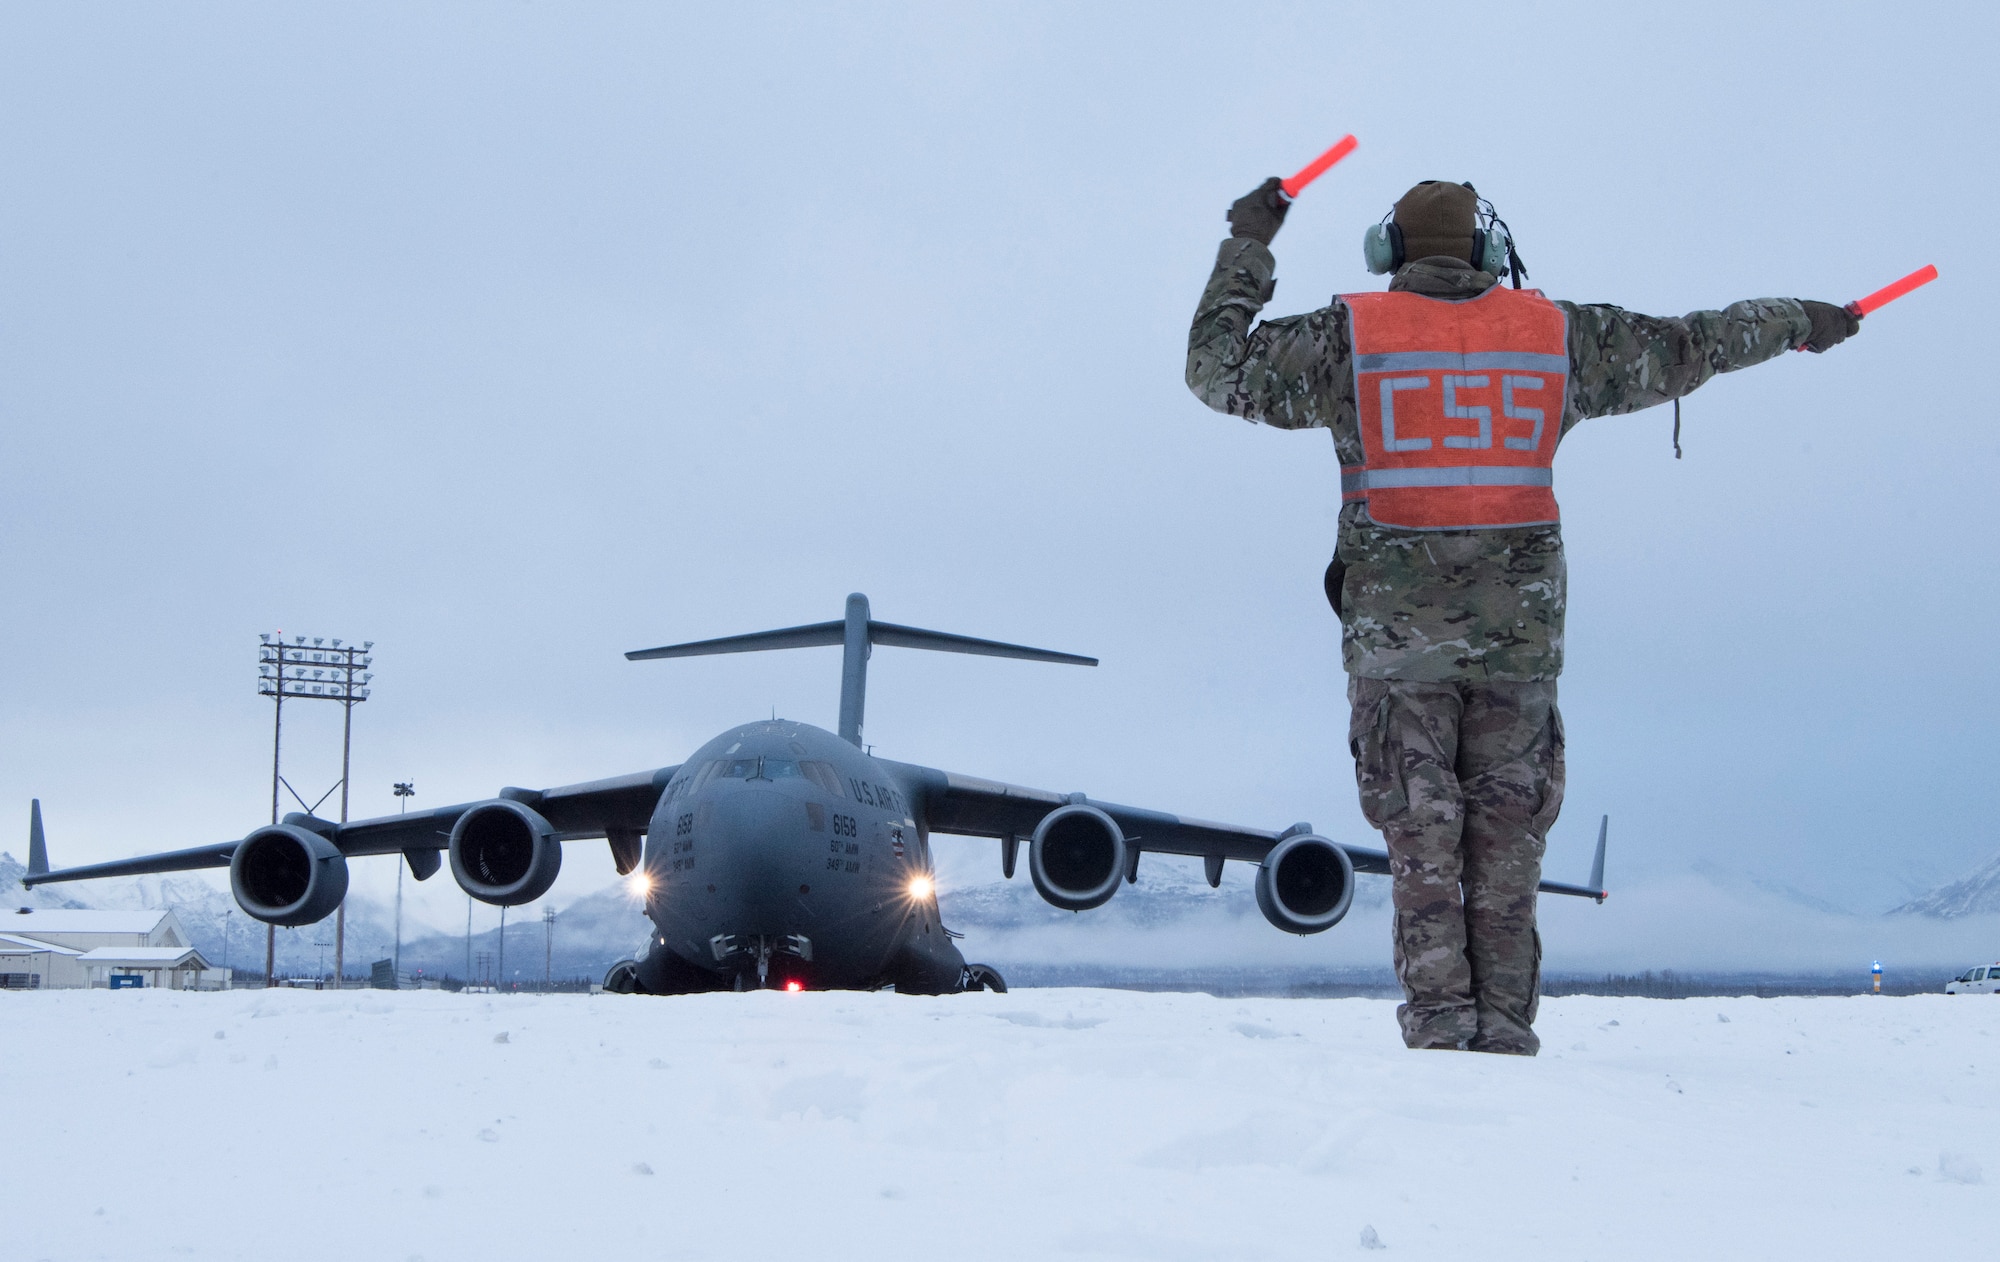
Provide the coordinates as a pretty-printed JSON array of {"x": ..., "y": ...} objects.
[{"x": 778, "y": 853}]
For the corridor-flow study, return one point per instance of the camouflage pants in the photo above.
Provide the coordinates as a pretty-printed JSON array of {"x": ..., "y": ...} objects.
[{"x": 1463, "y": 779}]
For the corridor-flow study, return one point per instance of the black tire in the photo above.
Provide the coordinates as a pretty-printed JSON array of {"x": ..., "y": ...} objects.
[{"x": 984, "y": 977}]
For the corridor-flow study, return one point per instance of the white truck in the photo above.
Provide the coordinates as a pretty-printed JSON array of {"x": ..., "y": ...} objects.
[{"x": 1976, "y": 981}]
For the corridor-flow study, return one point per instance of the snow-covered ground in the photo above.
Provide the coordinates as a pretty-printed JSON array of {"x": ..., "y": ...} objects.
[{"x": 1038, "y": 1124}]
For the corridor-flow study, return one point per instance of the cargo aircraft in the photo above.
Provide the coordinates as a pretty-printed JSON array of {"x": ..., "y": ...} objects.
[{"x": 782, "y": 855}]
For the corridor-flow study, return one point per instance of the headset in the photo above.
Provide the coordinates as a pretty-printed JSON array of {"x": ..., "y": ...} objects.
[{"x": 1492, "y": 243}]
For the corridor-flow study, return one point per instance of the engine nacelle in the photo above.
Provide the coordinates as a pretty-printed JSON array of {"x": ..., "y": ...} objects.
[
  {"x": 1077, "y": 857},
  {"x": 504, "y": 853},
  {"x": 1306, "y": 884},
  {"x": 285, "y": 875}
]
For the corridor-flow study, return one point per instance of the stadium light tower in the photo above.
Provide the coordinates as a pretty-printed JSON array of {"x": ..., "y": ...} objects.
[{"x": 312, "y": 672}]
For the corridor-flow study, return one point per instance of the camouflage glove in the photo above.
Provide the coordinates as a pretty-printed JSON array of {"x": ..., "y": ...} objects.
[
  {"x": 1831, "y": 325},
  {"x": 1258, "y": 213}
]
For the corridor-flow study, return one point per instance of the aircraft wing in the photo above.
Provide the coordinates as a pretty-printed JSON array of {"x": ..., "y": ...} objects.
[
  {"x": 618, "y": 808},
  {"x": 971, "y": 807},
  {"x": 595, "y": 808}
]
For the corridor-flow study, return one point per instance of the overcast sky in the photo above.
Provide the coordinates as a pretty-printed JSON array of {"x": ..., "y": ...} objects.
[{"x": 512, "y": 337}]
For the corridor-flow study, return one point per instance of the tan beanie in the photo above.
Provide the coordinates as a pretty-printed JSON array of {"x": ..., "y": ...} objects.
[{"x": 1438, "y": 217}]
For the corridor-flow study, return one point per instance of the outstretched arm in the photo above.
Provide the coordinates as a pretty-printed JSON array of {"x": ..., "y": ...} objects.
[{"x": 1622, "y": 361}]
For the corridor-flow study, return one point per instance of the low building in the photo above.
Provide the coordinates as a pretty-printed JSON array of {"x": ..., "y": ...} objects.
[
  {"x": 64, "y": 949},
  {"x": 29, "y": 964},
  {"x": 170, "y": 968}
]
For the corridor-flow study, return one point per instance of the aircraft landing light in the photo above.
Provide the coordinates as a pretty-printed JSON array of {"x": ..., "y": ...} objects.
[{"x": 920, "y": 888}]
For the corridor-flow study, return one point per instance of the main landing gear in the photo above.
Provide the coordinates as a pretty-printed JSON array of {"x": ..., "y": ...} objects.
[{"x": 983, "y": 977}]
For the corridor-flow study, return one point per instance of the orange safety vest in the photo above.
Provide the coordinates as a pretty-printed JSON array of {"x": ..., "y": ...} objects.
[{"x": 1461, "y": 404}]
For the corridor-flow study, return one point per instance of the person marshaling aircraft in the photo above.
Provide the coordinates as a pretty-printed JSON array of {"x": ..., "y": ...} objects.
[{"x": 1446, "y": 396}]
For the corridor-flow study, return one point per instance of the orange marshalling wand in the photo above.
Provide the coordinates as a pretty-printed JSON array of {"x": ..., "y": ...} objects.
[
  {"x": 1889, "y": 293},
  {"x": 1318, "y": 166}
]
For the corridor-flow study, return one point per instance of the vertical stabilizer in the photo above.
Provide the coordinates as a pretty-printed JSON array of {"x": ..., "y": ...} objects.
[
  {"x": 38, "y": 845},
  {"x": 854, "y": 649}
]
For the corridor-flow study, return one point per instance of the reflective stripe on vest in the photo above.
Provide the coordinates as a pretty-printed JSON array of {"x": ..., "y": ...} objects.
[{"x": 1455, "y": 401}]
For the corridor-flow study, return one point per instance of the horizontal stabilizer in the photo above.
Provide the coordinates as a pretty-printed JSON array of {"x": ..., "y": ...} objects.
[
  {"x": 944, "y": 642},
  {"x": 856, "y": 634},
  {"x": 821, "y": 634},
  {"x": 814, "y": 636}
]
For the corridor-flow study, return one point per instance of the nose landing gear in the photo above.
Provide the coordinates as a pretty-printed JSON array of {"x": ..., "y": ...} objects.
[{"x": 747, "y": 950}]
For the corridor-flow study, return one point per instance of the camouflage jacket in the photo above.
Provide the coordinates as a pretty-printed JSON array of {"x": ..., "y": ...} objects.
[{"x": 1432, "y": 605}]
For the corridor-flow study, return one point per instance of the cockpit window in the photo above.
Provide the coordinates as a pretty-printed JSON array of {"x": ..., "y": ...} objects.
[
  {"x": 822, "y": 774},
  {"x": 758, "y": 769},
  {"x": 691, "y": 778}
]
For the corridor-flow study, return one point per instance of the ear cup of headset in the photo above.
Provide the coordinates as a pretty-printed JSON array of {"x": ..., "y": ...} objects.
[
  {"x": 1489, "y": 250},
  {"x": 1382, "y": 247}
]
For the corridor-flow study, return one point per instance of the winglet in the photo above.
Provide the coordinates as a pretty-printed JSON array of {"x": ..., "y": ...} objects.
[
  {"x": 1594, "y": 891},
  {"x": 1597, "y": 864},
  {"x": 38, "y": 845}
]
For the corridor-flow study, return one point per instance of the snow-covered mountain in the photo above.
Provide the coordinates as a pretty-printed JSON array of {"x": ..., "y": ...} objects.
[
  {"x": 17, "y": 895},
  {"x": 1169, "y": 925},
  {"x": 1171, "y": 911},
  {"x": 1168, "y": 893},
  {"x": 588, "y": 934},
  {"x": 584, "y": 940},
  {"x": 208, "y": 914},
  {"x": 1977, "y": 894}
]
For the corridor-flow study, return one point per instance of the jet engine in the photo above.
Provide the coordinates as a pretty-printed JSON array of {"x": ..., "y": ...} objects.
[
  {"x": 285, "y": 875},
  {"x": 1305, "y": 884},
  {"x": 504, "y": 853},
  {"x": 1077, "y": 857}
]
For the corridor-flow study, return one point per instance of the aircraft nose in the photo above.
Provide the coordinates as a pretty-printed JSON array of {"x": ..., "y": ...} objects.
[
  {"x": 749, "y": 820},
  {"x": 752, "y": 842}
]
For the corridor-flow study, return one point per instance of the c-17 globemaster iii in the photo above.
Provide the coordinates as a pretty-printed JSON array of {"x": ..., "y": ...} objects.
[{"x": 781, "y": 854}]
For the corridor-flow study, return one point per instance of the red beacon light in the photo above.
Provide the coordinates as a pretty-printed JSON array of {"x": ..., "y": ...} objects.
[{"x": 794, "y": 988}]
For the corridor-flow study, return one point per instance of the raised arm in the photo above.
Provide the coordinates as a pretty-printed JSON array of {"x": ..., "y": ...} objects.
[{"x": 1281, "y": 372}]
